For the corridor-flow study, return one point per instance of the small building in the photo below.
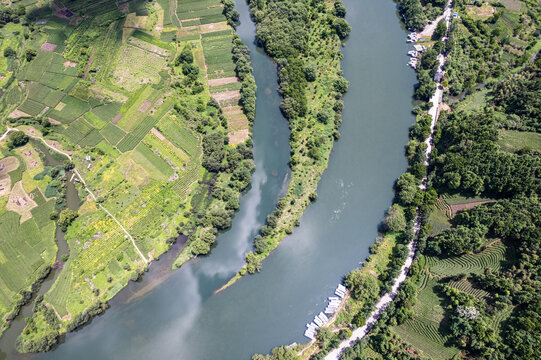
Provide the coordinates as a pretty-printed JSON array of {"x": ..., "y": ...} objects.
[{"x": 419, "y": 48}]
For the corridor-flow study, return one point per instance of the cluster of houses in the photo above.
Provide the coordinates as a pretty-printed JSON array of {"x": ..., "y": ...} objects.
[
  {"x": 418, "y": 49},
  {"x": 320, "y": 319}
]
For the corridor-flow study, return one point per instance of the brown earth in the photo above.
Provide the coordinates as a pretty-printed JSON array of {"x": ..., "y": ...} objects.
[
  {"x": 20, "y": 202},
  {"x": 17, "y": 114},
  {"x": 158, "y": 134},
  {"x": 459, "y": 207},
  {"x": 48, "y": 47},
  {"x": 226, "y": 95},
  {"x": 237, "y": 137},
  {"x": 223, "y": 81},
  {"x": 144, "y": 106},
  {"x": 116, "y": 118},
  {"x": 6, "y": 166}
]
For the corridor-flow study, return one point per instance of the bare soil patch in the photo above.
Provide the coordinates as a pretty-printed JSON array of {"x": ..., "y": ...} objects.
[
  {"x": 6, "y": 166},
  {"x": 158, "y": 134},
  {"x": 69, "y": 64},
  {"x": 5, "y": 185},
  {"x": 20, "y": 202},
  {"x": 89, "y": 64},
  {"x": 219, "y": 26},
  {"x": 17, "y": 114},
  {"x": 236, "y": 120},
  {"x": 445, "y": 107},
  {"x": 223, "y": 81},
  {"x": 144, "y": 106},
  {"x": 54, "y": 122},
  {"x": 484, "y": 11},
  {"x": 460, "y": 207},
  {"x": 47, "y": 46},
  {"x": 116, "y": 118},
  {"x": 226, "y": 95},
  {"x": 31, "y": 157},
  {"x": 237, "y": 137},
  {"x": 514, "y": 5}
]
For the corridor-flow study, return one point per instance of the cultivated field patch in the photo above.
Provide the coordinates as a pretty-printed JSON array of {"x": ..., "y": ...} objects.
[
  {"x": 136, "y": 67},
  {"x": 20, "y": 202}
]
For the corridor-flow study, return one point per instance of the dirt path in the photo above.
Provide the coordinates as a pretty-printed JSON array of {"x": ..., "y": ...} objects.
[
  {"x": 128, "y": 235},
  {"x": 430, "y": 28},
  {"x": 89, "y": 64},
  {"x": 175, "y": 12}
]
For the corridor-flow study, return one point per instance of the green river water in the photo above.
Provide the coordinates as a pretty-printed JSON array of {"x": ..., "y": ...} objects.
[{"x": 174, "y": 314}]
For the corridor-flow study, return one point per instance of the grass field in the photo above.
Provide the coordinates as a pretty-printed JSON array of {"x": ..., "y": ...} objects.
[
  {"x": 112, "y": 133},
  {"x": 136, "y": 67},
  {"x": 512, "y": 141}
]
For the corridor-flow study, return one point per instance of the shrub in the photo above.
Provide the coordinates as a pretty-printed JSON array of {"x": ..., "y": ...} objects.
[{"x": 65, "y": 218}]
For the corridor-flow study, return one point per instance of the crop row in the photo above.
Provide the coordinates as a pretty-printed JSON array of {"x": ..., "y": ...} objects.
[
  {"x": 466, "y": 286},
  {"x": 427, "y": 330},
  {"x": 130, "y": 141}
]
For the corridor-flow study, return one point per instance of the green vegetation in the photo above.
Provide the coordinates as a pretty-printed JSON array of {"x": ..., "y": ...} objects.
[
  {"x": 17, "y": 139},
  {"x": 149, "y": 125},
  {"x": 482, "y": 48},
  {"x": 472, "y": 289},
  {"x": 27, "y": 244},
  {"x": 301, "y": 35},
  {"x": 474, "y": 275}
]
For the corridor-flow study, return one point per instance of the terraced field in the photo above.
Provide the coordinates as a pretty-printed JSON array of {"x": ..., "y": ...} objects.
[
  {"x": 105, "y": 86},
  {"x": 491, "y": 257},
  {"x": 466, "y": 286},
  {"x": 427, "y": 331}
]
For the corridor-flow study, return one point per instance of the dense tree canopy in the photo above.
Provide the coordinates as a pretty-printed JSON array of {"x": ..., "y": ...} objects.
[
  {"x": 520, "y": 95},
  {"x": 470, "y": 160}
]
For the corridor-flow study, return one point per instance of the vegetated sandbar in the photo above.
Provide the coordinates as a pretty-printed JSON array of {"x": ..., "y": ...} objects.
[{"x": 305, "y": 40}]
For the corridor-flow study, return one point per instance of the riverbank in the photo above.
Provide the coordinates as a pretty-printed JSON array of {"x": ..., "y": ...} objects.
[
  {"x": 405, "y": 323},
  {"x": 150, "y": 166},
  {"x": 387, "y": 298},
  {"x": 181, "y": 316},
  {"x": 393, "y": 254}
]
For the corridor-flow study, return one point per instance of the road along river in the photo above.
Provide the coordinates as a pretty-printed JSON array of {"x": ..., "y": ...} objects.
[{"x": 180, "y": 318}]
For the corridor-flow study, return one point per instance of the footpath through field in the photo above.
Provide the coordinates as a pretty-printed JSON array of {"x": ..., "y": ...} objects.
[
  {"x": 386, "y": 299},
  {"x": 85, "y": 187}
]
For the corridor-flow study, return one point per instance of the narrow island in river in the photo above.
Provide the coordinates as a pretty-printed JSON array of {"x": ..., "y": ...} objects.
[{"x": 305, "y": 39}]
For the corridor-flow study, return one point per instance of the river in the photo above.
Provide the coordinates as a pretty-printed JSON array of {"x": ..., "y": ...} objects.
[{"x": 176, "y": 316}]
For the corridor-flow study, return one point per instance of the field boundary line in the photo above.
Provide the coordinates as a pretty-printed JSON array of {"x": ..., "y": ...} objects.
[{"x": 86, "y": 188}]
